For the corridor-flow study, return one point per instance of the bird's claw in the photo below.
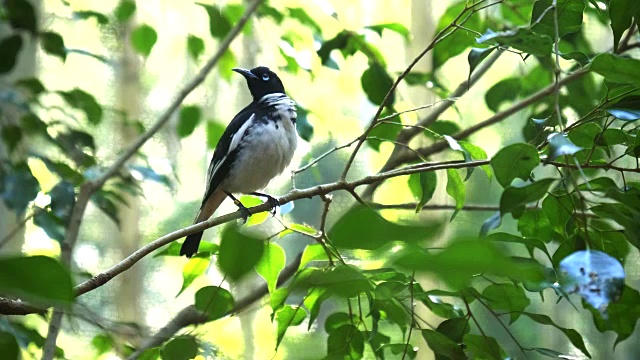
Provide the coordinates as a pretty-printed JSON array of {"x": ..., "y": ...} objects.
[
  {"x": 243, "y": 210},
  {"x": 273, "y": 202}
]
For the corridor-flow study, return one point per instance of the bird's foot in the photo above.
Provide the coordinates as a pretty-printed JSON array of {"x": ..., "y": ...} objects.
[
  {"x": 245, "y": 213},
  {"x": 273, "y": 202}
]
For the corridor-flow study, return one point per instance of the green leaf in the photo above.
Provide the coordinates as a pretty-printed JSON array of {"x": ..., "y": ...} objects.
[
  {"x": 344, "y": 281},
  {"x": 288, "y": 316},
  {"x": 9, "y": 347},
  {"x": 19, "y": 188},
  {"x": 214, "y": 301},
  {"x": 62, "y": 200},
  {"x": 10, "y": 48},
  {"x": 363, "y": 228},
  {"x": 571, "y": 334},
  {"x": 530, "y": 243},
  {"x": 523, "y": 39},
  {"x": 514, "y": 161},
  {"x": 376, "y": 82},
  {"x": 504, "y": 90},
  {"x": 45, "y": 282},
  {"x": 190, "y": 116},
  {"x": 558, "y": 210},
  {"x": 442, "y": 345},
  {"x": 514, "y": 198},
  {"x": 622, "y": 315},
  {"x": 584, "y": 271},
  {"x": 508, "y": 297},
  {"x": 219, "y": 26},
  {"x": 195, "y": 46},
  {"x": 238, "y": 253},
  {"x": 477, "y": 153},
  {"x": 183, "y": 347},
  {"x": 459, "y": 263},
  {"x": 195, "y": 267},
  {"x": 143, "y": 38},
  {"x": 313, "y": 252},
  {"x": 617, "y": 69},
  {"x": 559, "y": 145},
  {"x": 620, "y": 12},
  {"x": 174, "y": 249},
  {"x": 150, "y": 354},
  {"x": 395, "y": 27},
  {"x": 535, "y": 224},
  {"x": 250, "y": 201},
  {"x": 455, "y": 328},
  {"x": 483, "y": 347},
  {"x": 459, "y": 40},
  {"x": 51, "y": 224},
  {"x": 270, "y": 265},
  {"x": 456, "y": 189},
  {"x": 345, "y": 342},
  {"x": 21, "y": 15},
  {"x": 569, "y": 17},
  {"x": 103, "y": 343},
  {"x": 387, "y": 290},
  {"x": 85, "y": 102},
  {"x": 214, "y": 133},
  {"x": 384, "y": 131},
  {"x": 313, "y": 302},
  {"x": 101, "y": 18},
  {"x": 423, "y": 186},
  {"x": 225, "y": 65},
  {"x": 338, "y": 42},
  {"x": 125, "y": 10},
  {"x": 303, "y": 17},
  {"x": 53, "y": 44},
  {"x": 476, "y": 55}
]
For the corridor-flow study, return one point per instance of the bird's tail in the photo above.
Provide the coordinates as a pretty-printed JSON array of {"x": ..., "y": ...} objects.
[{"x": 209, "y": 206}]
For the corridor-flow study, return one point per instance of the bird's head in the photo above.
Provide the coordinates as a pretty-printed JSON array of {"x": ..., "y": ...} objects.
[{"x": 261, "y": 81}]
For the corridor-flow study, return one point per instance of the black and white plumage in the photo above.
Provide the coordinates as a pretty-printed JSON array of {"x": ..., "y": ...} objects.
[{"x": 257, "y": 145}]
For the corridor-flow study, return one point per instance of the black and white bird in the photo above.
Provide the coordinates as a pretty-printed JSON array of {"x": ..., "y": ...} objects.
[{"x": 257, "y": 145}]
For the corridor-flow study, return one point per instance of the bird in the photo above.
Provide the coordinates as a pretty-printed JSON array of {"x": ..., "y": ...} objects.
[{"x": 257, "y": 145}]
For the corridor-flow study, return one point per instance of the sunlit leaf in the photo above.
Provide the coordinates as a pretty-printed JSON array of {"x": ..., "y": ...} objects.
[
  {"x": 194, "y": 268},
  {"x": 195, "y": 46},
  {"x": 270, "y": 265},
  {"x": 214, "y": 133},
  {"x": 303, "y": 17},
  {"x": 395, "y": 27},
  {"x": 288, "y": 316},
  {"x": 456, "y": 189},
  {"x": 143, "y": 38},
  {"x": 313, "y": 252},
  {"x": 423, "y": 186},
  {"x": 313, "y": 302}
]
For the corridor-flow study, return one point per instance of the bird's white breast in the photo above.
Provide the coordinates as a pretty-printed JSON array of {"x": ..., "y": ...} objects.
[{"x": 268, "y": 149}]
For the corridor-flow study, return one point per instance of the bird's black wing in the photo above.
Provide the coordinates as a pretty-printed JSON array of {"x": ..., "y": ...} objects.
[{"x": 225, "y": 152}]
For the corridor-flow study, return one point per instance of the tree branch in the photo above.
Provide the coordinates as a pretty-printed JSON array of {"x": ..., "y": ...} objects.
[{"x": 442, "y": 145}]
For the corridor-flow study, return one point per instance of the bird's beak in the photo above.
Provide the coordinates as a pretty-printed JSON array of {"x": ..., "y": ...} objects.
[{"x": 246, "y": 73}]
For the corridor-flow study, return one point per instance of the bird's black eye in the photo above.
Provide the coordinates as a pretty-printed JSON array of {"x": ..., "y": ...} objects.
[{"x": 265, "y": 77}]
